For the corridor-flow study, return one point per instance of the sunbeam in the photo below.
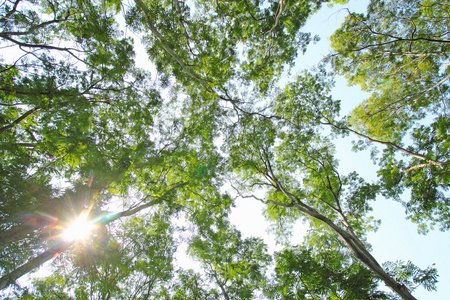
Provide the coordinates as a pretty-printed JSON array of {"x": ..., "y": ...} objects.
[{"x": 79, "y": 229}]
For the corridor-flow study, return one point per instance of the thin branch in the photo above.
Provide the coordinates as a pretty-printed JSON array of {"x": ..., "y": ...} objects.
[
  {"x": 416, "y": 167},
  {"x": 137, "y": 209},
  {"x": 20, "y": 119},
  {"x": 389, "y": 144},
  {"x": 396, "y": 38},
  {"x": 43, "y": 46},
  {"x": 250, "y": 12},
  {"x": 214, "y": 273},
  {"x": 14, "y": 9},
  {"x": 166, "y": 47},
  {"x": 32, "y": 28}
]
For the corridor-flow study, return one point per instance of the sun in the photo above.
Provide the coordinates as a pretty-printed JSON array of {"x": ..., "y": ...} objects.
[{"x": 79, "y": 229}]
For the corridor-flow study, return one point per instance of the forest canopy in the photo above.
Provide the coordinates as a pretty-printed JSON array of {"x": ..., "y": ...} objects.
[{"x": 150, "y": 160}]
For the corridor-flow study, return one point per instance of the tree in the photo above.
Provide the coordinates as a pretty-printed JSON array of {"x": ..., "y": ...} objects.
[
  {"x": 237, "y": 266},
  {"x": 398, "y": 51},
  {"x": 289, "y": 158}
]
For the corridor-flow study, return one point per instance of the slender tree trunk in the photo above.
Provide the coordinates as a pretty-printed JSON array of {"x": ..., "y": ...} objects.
[
  {"x": 357, "y": 248},
  {"x": 32, "y": 264},
  {"x": 353, "y": 243},
  {"x": 363, "y": 255}
]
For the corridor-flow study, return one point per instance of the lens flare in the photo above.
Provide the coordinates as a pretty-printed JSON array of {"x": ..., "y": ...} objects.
[{"x": 79, "y": 229}]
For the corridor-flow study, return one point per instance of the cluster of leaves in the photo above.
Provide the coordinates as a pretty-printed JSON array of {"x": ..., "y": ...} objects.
[
  {"x": 237, "y": 266},
  {"x": 302, "y": 273},
  {"x": 398, "y": 51},
  {"x": 412, "y": 275}
]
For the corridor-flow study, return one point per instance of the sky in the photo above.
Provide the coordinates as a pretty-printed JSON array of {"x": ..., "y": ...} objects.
[{"x": 396, "y": 238}]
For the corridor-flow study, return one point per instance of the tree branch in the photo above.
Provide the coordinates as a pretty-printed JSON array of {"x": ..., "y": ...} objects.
[
  {"x": 32, "y": 264},
  {"x": 389, "y": 144},
  {"x": 14, "y": 9},
  {"x": 160, "y": 39},
  {"x": 32, "y": 29},
  {"x": 20, "y": 119}
]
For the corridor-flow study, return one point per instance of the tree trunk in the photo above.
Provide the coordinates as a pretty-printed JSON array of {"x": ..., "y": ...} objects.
[
  {"x": 32, "y": 264},
  {"x": 357, "y": 248}
]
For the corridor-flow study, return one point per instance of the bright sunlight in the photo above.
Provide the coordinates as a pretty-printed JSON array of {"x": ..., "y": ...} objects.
[{"x": 79, "y": 229}]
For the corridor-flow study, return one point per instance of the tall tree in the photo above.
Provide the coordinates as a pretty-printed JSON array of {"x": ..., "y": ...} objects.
[
  {"x": 398, "y": 51},
  {"x": 68, "y": 112},
  {"x": 289, "y": 157}
]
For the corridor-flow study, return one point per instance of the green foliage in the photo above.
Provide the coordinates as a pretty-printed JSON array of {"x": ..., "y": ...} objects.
[
  {"x": 236, "y": 265},
  {"x": 190, "y": 285},
  {"x": 136, "y": 261},
  {"x": 398, "y": 51},
  {"x": 428, "y": 205},
  {"x": 302, "y": 273},
  {"x": 252, "y": 40},
  {"x": 308, "y": 100},
  {"x": 411, "y": 275}
]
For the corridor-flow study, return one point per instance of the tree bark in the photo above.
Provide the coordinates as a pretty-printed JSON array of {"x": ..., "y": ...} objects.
[
  {"x": 32, "y": 264},
  {"x": 356, "y": 246}
]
